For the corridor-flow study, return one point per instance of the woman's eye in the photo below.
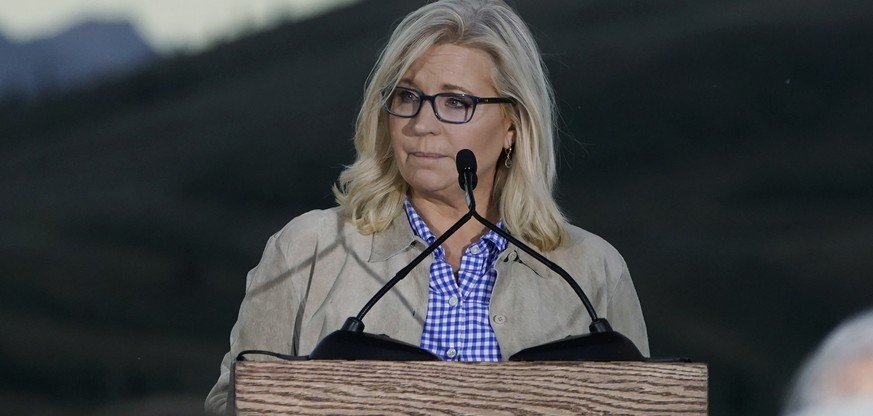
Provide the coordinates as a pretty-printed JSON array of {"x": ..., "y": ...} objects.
[
  {"x": 456, "y": 102},
  {"x": 407, "y": 96}
]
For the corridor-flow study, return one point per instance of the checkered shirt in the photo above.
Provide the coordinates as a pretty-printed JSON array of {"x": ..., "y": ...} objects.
[{"x": 458, "y": 324}]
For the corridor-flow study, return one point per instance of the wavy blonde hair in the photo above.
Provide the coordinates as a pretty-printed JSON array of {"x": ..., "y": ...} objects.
[{"x": 371, "y": 190}]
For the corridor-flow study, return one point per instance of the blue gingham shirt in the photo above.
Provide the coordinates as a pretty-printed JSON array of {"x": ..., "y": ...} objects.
[{"x": 458, "y": 324}]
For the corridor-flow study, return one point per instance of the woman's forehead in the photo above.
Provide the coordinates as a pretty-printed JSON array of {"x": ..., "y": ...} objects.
[{"x": 450, "y": 67}]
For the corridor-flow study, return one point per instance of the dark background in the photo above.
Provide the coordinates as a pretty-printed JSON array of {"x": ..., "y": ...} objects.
[{"x": 722, "y": 146}]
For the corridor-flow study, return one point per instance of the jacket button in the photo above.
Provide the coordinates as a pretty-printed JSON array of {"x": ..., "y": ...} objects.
[
  {"x": 499, "y": 319},
  {"x": 512, "y": 256}
]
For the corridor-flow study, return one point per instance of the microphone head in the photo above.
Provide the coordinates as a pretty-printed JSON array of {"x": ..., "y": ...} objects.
[{"x": 465, "y": 160}]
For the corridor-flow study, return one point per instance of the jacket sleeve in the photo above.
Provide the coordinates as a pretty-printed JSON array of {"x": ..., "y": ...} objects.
[
  {"x": 266, "y": 317},
  {"x": 624, "y": 311}
]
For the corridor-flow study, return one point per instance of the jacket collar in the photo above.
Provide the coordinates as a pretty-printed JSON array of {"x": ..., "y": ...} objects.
[
  {"x": 395, "y": 239},
  {"x": 515, "y": 254}
]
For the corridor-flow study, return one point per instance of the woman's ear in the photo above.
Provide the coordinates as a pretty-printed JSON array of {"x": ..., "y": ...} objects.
[{"x": 509, "y": 140}]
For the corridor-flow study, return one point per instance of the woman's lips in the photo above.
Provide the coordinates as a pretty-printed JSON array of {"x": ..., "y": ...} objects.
[{"x": 425, "y": 155}]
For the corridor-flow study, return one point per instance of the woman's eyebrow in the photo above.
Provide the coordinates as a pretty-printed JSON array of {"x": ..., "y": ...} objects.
[
  {"x": 405, "y": 82},
  {"x": 408, "y": 83},
  {"x": 453, "y": 87}
]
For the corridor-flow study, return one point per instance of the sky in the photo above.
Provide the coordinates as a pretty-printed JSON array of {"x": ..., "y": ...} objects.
[{"x": 167, "y": 25}]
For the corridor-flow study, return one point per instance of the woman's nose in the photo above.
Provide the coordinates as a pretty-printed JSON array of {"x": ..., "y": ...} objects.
[{"x": 426, "y": 121}]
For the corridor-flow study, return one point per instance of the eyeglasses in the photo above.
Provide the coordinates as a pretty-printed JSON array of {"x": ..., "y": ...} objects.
[{"x": 448, "y": 107}]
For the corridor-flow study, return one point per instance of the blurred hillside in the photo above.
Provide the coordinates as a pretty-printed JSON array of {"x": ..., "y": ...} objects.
[
  {"x": 722, "y": 146},
  {"x": 75, "y": 57}
]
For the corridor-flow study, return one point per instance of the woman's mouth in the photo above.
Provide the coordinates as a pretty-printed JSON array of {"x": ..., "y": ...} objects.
[{"x": 427, "y": 155}]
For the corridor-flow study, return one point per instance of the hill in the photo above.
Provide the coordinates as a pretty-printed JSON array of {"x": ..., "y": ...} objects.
[{"x": 76, "y": 57}]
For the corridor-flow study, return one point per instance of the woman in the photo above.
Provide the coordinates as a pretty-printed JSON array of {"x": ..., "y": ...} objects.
[{"x": 455, "y": 74}]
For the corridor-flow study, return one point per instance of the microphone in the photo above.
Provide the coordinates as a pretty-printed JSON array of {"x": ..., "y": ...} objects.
[
  {"x": 601, "y": 344},
  {"x": 466, "y": 164}
]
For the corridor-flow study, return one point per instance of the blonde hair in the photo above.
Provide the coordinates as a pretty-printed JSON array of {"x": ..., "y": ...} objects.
[
  {"x": 371, "y": 190},
  {"x": 848, "y": 346}
]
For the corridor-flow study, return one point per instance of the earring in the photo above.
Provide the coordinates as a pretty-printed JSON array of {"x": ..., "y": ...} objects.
[{"x": 508, "y": 161}]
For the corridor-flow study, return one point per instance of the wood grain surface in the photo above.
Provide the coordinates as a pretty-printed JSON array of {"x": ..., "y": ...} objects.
[{"x": 451, "y": 388}]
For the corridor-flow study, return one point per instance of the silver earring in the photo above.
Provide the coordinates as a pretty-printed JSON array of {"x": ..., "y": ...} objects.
[{"x": 508, "y": 161}]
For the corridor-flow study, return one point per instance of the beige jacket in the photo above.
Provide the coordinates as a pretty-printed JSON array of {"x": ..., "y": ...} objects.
[{"x": 319, "y": 270}]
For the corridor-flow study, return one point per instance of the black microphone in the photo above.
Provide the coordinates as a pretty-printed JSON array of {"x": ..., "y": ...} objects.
[
  {"x": 601, "y": 344},
  {"x": 466, "y": 163}
]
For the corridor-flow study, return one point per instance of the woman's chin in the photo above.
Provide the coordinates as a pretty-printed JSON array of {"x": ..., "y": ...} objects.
[{"x": 441, "y": 191}]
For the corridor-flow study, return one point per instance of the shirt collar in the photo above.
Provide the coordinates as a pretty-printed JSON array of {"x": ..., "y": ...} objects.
[{"x": 498, "y": 242}]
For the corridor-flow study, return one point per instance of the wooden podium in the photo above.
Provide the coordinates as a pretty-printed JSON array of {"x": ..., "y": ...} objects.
[{"x": 452, "y": 388}]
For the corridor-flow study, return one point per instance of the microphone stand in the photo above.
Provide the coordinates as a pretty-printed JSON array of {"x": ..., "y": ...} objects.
[{"x": 352, "y": 343}]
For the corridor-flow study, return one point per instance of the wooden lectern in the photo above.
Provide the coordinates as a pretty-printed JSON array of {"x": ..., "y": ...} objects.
[{"x": 433, "y": 388}]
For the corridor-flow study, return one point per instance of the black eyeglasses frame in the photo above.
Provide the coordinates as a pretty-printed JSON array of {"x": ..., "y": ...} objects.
[{"x": 432, "y": 98}]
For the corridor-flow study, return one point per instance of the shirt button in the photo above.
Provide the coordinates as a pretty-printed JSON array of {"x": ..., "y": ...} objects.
[
  {"x": 475, "y": 250},
  {"x": 499, "y": 319},
  {"x": 451, "y": 353},
  {"x": 453, "y": 300}
]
